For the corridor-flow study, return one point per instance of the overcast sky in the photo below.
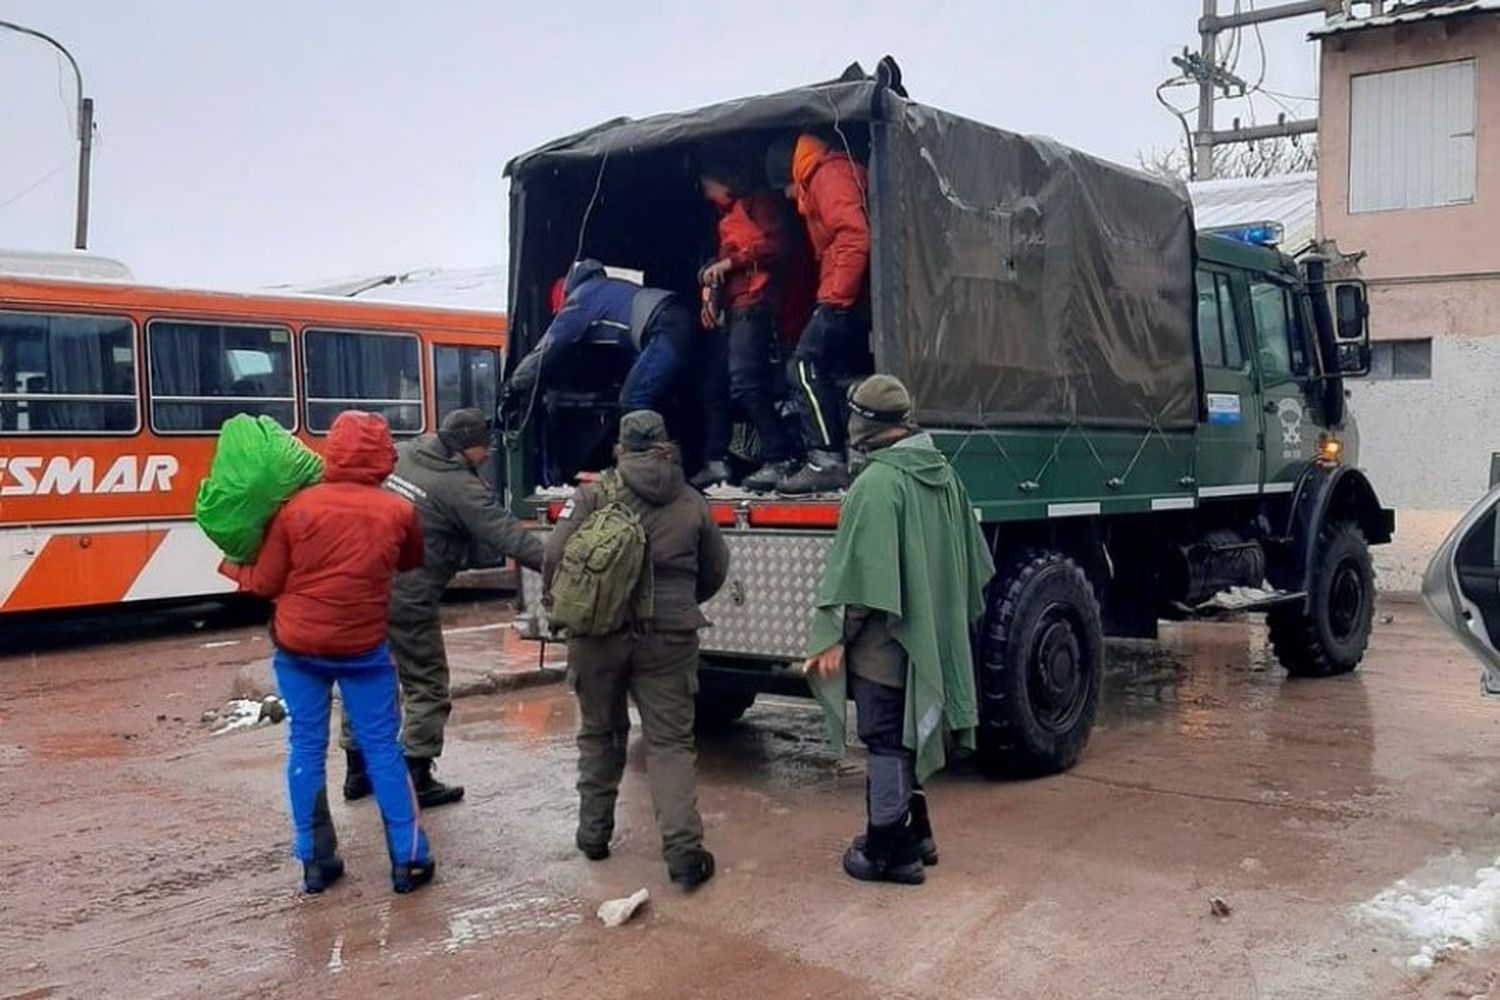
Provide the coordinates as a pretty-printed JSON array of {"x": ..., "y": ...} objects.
[{"x": 244, "y": 144}]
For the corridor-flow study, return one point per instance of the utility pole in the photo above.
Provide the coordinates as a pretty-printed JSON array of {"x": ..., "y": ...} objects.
[
  {"x": 1205, "y": 69},
  {"x": 85, "y": 134}
]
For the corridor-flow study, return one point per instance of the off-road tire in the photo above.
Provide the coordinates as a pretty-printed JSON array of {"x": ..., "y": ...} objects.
[
  {"x": 1332, "y": 639},
  {"x": 1041, "y": 664}
]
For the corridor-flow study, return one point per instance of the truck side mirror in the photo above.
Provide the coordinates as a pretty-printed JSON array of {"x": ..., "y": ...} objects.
[
  {"x": 1462, "y": 586},
  {"x": 1352, "y": 328}
]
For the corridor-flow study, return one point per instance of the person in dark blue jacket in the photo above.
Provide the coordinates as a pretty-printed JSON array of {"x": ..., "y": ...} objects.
[{"x": 652, "y": 324}]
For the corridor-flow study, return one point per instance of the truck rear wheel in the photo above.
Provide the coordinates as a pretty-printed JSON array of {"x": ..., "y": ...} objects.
[
  {"x": 720, "y": 707},
  {"x": 1040, "y": 667},
  {"x": 1332, "y": 638}
]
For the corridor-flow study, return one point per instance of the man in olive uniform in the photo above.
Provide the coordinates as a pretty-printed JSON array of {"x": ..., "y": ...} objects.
[
  {"x": 438, "y": 473},
  {"x": 903, "y": 583},
  {"x": 654, "y": 661}
]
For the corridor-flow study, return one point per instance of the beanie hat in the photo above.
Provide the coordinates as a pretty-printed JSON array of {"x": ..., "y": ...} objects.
[
  {"x": 465, "y": 428},
  {"x": 876, "y": 405},
  {"x": 642, "y": 430}
]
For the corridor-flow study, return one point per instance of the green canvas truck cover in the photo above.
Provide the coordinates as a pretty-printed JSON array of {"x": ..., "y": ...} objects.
[{"x": 1014, "y": 281}]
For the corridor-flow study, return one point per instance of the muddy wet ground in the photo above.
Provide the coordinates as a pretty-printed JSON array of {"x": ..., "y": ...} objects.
[{"x": 143, "y": 857}]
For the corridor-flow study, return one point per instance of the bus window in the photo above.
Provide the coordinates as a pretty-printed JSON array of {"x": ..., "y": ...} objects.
[
  {"x": 351, "y": 370},
  {"x": 465, "y": 377},
  {"x": 204, "y": 373},
  {"x": 62, "y": 373}
]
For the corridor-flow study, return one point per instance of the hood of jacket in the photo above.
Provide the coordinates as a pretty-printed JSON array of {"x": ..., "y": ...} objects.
[
  {"x": 581, "y": 272},
  {"x": 918, "y": 457},
  {"x": 655, "y": 476},
  {"x": 807, "y": 154},
  {"x": 432, "y": 452},
  {"x": 359, "y": 449}
]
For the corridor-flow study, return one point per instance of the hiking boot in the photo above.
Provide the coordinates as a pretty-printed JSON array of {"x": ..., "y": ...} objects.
[
  {"x": 692, "y": 870},
  {"x": 825, "y": 472},
  {"x": 921, "y": 828},
  {"x": 320, "y": 873},
  {"x": 593, "y": 850},
  {"x": 768, "y": 476},
  {"x": 712, "y": 474},
  {"x": 409, "y": 876},
  {"x": 431, "y": 792},
  {"x": 356, "y": 778},
  {"x": 886, "y": 854}
]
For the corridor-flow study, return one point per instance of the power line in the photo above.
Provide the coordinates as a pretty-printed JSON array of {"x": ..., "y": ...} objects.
[{"x": 37, "y": 183}]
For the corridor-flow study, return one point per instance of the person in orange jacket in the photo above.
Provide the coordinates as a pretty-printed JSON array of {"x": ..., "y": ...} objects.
[
  {"x": 829, "y": 188},
  {"x": 752, "y": 248}
]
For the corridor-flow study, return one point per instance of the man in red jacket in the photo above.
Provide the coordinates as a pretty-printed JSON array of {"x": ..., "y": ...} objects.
[
  {"x": 752, "y": 251},
  {"x": 327, "y": 562},
  {"x": 829, "y": 189}
]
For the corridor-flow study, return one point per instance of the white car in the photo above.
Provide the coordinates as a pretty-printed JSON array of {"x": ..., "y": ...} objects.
[{"x": 1462, "y": 585}]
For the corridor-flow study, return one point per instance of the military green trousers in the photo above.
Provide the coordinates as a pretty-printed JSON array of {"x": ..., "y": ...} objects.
[
  {"x": 416, "y": 643},
  {"x": 659, "y": 672}
]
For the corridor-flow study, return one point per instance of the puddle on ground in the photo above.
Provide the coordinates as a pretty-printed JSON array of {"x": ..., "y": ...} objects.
[{"x": 525, "y": 909}]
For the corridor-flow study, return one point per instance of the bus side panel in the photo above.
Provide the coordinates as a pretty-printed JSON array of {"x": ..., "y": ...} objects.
[{"x": 82, "y": 566}]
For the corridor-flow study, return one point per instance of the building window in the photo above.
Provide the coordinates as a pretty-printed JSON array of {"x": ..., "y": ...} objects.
[
  {"x": 1411, "y": 138},
  {"x": 465, "y": 377},
  {"x": 204, "y": 373},
  {"x": 66, "y": 374},
  {"x": 1282, "y": 350},
  {"x": 354, "y": 370},
  {"x": 1218, "y": 330},
  {"x": 1401, "y": 360}
]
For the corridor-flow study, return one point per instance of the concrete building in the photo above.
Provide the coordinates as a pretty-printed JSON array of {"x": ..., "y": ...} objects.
[{"x": 1409, "y": 187}]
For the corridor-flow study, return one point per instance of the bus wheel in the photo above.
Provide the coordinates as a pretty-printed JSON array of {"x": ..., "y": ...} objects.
[
  {"x": 1041, "y": 663},
  {"x": 1332, "y": 638}
]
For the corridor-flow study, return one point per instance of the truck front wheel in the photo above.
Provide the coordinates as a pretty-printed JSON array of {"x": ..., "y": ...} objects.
[
  {"x": 1041, "y": 663},
  {"x": 1331, "y": 638}
]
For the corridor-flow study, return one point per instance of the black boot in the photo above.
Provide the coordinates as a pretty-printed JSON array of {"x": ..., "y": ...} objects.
[
  {"x": 320, "y": 873},
  {"x": 886, "y": 854},
  {"x": 431, "y": 792},
  {"x": 693, "y": 870},
  {"x": 411, "y": 876},
  {"x": 594, "y": 850},
  {"x": 921, "y": 828},
  {"x": 356, "y": 778}
]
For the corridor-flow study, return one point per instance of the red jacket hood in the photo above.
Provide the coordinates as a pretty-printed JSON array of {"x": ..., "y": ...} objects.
[{"x": 360, "y": 449}]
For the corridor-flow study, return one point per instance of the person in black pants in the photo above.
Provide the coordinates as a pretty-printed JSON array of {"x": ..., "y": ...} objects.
[{"x": 752, "y": 243}]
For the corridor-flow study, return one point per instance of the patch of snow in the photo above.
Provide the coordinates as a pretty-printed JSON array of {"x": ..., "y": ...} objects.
[
  {"x": 1442, "y": 918},
  {"x": 614, "y": 912},
  {"x": 241, "y": 713},
  {"x": 220, "y": 645}
]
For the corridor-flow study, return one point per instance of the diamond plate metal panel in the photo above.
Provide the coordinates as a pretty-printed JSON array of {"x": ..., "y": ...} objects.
[{"x": 765, "y": 605}]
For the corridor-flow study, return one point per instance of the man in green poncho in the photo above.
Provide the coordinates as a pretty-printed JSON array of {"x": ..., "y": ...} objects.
[{"x": 903, "y": 584}]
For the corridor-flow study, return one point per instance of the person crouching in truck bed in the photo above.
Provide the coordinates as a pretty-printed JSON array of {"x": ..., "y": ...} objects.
[
  {"x": 652, "y": 324},
  {"x": 752, "y": 250},
  {"x": 328, "y": 559},
  {"x": 903, "y": 583},
  {"x": 439, "y": 474},
  {"x": 829, "y": 189},
  {"x": 655, "y": 660}
]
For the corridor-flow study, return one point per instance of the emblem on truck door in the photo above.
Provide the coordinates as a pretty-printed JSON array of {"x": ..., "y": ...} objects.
[{"x": 1289, "y": 412}]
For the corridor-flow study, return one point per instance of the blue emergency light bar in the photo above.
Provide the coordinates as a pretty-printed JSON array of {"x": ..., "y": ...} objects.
[{"x": 1261, "y": 234}]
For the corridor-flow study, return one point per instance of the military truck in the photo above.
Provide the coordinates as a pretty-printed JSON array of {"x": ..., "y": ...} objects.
[{"x": 1147, "y": 419}]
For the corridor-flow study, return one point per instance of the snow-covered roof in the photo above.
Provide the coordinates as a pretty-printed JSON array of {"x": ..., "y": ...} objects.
[
  {"x": 1408, "y": 13},
  {"x": 70, "y": 264},
  {"x": 466, "y": 287},
  {"x": 1291, "y": 199}
]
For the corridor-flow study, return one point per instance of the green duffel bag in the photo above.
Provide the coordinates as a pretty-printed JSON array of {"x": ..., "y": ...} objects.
[{"x": 257, "y": 465}]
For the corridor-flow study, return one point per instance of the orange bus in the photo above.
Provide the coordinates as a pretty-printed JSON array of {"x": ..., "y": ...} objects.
[{"x": 111, "y": 396}]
